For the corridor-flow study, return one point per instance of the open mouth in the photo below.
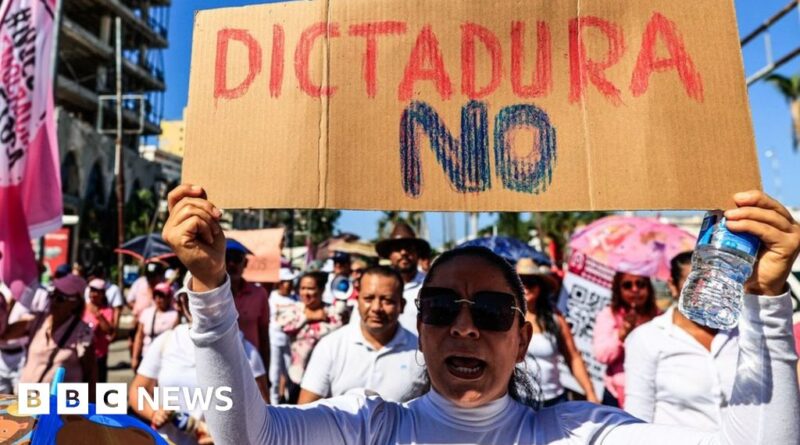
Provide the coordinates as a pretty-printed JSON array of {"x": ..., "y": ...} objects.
[{"x": 467, "y": 368}]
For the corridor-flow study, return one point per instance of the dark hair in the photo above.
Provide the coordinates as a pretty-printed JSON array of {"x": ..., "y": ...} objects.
[
  {"x": 98, "y": 271},
  {"x": 520, "y": 387},
  {"x": 676, "y": 263},
  {"x": 386, "y": 272},
  {"x": 320, "y": 278},
  {"x": 545, "y": 313},
  {"x": 509, "y": 273},
  {"x": 618, "y": 304},
  {"x": 182, "y": 305},
  {"x": 78, "y": 310}
]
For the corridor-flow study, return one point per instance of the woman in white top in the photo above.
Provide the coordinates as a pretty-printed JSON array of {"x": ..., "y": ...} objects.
[
  {"x": 473, "y": 335},
  {"x": 170, "y": 362},
  {"x": 680, "y": 372},
  {"x": 280, "y": 355},
  {"x": 153, "y": 321},
  {"x": 552, "y": 337}
]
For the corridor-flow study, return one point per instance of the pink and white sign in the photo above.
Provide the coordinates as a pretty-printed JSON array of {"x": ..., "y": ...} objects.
[
  {"x": 30, "y": 182},
  {"x": 586, "y": 291}
]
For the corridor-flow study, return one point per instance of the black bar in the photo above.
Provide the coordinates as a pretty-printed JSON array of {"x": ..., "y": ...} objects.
[
  {"x": 780, "y": 62},
  {"x": 769, "y": 22}
]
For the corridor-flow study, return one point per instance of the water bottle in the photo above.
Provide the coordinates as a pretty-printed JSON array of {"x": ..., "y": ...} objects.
[{"x": 721, "y": 263}]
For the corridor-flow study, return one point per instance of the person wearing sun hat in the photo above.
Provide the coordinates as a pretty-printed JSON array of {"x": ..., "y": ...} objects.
[
  {"x": 403, "y": 250},
  {"x": 61, "y": 339},
  {"x": 552, "y": 337}
]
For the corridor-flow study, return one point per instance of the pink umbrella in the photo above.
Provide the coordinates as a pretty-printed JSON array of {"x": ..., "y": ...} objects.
[{"x": 641, "y": 246}]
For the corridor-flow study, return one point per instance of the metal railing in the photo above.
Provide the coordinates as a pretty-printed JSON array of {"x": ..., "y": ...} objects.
[{"x": 771, "y": 64}]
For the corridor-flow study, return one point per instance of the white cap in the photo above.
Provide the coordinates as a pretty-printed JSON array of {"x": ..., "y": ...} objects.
[{"x": 286, "y": 274}]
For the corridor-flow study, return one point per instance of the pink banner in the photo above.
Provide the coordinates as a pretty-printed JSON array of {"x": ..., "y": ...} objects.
[
  {"x": 264, "y": 264},
  {"x": 30, "y": 182}
]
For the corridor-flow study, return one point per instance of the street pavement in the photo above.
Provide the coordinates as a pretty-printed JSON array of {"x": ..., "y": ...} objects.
[{"x": 119, "y": 359}]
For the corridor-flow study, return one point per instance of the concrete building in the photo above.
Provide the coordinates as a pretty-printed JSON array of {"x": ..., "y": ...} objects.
[
  {"x": 85, "y": 66},
  {"x": 168, "y": 162},
  {"x": 173, "y": 137}
]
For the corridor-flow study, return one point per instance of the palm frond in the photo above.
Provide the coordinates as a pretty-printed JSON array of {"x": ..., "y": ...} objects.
[{"x": 785, "y": 85}]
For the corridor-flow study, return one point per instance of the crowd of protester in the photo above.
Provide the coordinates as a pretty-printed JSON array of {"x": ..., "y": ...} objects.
[{"x": 317, "y": 334}]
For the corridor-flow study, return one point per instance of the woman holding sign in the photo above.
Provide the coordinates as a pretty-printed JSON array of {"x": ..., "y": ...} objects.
[{"x": 473, "y": 335}]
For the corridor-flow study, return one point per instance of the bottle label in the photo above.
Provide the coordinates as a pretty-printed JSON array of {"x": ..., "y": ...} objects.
[{"x": 715, "y": 233}]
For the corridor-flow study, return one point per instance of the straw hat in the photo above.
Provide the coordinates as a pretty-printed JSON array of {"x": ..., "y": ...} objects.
[
  {"x": 527, "y": 268},
  {"x": 402, "y": 236}
]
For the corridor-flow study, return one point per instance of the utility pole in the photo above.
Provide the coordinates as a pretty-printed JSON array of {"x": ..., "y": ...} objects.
[
  {"x": 473, "y": 225},
  {"x": 119, "y": 172},
  {"x": 763, "y": 30}
]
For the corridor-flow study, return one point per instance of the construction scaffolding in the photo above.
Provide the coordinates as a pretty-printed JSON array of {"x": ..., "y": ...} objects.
[
  {"x": 788, "y": 12},
  {"x": 87, "y": 68}
]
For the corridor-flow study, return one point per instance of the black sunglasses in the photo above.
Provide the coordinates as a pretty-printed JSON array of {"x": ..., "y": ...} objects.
[
  {"x": 491, "y": 311},
  {"x": 628, "y": 285},
  {"x": 60, "y": 297}
]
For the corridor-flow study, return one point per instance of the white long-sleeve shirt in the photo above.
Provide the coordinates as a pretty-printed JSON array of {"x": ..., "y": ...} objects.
[
  {"x": 764, "y": 407},
  {"x": 672, "y": 379}
]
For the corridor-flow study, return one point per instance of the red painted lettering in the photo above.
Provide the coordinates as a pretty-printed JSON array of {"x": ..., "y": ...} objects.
[
  {"x": 224, "y": 36},
  {"x": 583, "y": 69},
  {"x": 542, "y": 78},
  {"x": 371, "y": 32},
  {"x": 469, "y": 31},
  {"x": 276, "y": 69},
  {"x": 426, "y": 52},
  {"x": 679, "y": 59},
  {"x": 302, "y": 57}
]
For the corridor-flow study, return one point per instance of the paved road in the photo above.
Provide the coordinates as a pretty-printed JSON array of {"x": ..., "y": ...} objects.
[{"x": 119, "y": 359}]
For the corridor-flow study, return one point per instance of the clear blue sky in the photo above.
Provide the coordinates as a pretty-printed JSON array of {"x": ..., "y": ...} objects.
[{"x": 781, "y": 175}]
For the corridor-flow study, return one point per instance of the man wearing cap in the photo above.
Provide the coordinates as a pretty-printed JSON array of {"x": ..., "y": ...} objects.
[
  {"x": 376, "y": 354},
  {"x": 251, "y": 301},
  {"x": 403, "y": 250},
  {"x": 338, "y": 285},
  {"x": 280, "y": 353},
  {"x": 61, "y": 339}
]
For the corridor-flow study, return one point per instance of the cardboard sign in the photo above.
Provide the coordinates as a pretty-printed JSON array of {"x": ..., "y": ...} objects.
[
  {"x": 264, "y": 265},
  {"x": 470, "y": 105}
]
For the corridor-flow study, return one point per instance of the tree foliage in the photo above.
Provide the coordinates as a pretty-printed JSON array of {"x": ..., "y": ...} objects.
[
  {"x": 387, "y": 222},
  {"x": 552, "y": 227},
  {"x": 140, "y": 209},
  {"x": 320, "y": 224},
  {"x": 789, "y": 87}
]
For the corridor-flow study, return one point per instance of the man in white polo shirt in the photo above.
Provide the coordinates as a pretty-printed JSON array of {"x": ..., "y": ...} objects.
[
  {"x": 403, "y": 250},
  {"x": 377, "y": 353}
]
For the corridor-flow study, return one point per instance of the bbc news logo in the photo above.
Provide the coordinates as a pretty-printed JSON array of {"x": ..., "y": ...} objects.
[{"x": 112, "y": 398}]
